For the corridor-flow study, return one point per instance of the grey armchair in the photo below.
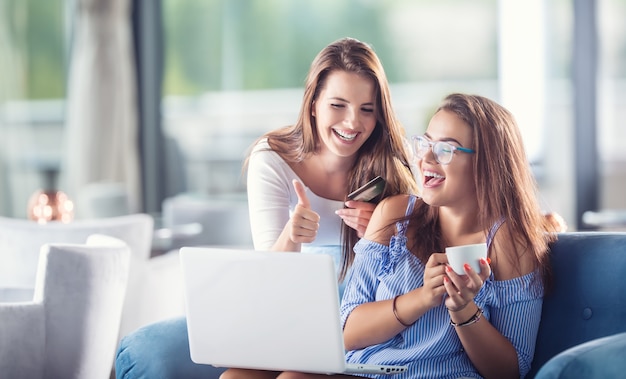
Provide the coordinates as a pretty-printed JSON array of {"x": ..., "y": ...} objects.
[
  {"x": 21, "y": 240},
  {"x": 190, "y": 220},
  {"x": 70, "y": 327}
]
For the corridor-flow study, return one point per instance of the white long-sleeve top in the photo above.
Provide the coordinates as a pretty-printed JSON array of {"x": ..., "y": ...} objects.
[{"x": 272, "y": 199}]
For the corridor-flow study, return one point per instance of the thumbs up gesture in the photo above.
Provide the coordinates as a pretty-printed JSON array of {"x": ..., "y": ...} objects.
[{"x": 304, "y": 221}]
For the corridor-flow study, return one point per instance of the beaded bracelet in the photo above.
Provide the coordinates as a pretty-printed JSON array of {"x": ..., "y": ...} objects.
[
  {"x": 472, "y": 319},
  {"x": 395, "y": 312}
]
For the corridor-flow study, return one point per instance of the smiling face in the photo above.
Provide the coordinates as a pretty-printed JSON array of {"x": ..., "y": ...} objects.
[
  {"x": 451, "y": 184},
  {"x": 345, "y": 113}
]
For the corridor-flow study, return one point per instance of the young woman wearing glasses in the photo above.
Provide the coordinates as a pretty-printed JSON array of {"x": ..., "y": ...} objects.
[{"x": 404, "y": 305}]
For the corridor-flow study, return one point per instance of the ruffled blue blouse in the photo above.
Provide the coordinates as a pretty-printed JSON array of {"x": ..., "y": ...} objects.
[{"x": 431, "y": 347}]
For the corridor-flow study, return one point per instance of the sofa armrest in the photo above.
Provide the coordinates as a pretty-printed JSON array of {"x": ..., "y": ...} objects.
[{"x": 599, "y": 358}]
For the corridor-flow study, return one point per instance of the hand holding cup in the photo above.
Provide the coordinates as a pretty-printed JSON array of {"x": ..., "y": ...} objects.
[{"x": 470, "y": 254}]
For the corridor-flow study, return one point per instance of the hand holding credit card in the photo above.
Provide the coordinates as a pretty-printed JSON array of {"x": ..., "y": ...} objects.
[{"x": 369, "y": 191}]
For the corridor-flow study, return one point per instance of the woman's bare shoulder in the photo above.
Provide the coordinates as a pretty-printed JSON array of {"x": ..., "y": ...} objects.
[{"x": 382, "y": 224}]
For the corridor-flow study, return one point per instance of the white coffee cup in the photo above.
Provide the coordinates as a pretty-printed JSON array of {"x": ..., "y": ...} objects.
[{"x": 470, "y": 254}]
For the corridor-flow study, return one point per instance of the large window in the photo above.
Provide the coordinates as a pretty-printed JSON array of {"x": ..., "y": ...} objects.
[
  {"x": 32, "y": 87},
  {"x": 255, "y": 45},
  {"x": 235, "y": 68}
]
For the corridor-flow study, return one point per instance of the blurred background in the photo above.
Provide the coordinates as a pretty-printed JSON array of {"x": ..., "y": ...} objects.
[{"x": 125, "y": 103}]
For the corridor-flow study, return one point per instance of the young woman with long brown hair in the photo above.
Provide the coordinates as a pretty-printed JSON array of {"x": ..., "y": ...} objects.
[{"x": 298, "y": 181}]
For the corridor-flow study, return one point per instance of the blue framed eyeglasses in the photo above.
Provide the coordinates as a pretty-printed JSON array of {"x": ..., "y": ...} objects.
[{"x": 443, "y": 151}]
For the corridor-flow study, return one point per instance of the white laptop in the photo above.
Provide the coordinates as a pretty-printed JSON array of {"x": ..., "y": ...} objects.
[{"x": 265, "y": 310}]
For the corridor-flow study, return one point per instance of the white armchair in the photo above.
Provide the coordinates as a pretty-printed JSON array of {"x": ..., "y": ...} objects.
[
  {"x": 21, "y": 240},
  {"x": 190, "y": 220},
  {"x": 69, "y": 329},
  {"x": 222, "y": 222}
]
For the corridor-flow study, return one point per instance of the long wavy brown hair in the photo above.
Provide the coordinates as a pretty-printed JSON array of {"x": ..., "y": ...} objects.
[
  {"x": 383, "y": 154},
  {"x": 505, "y": 186}
]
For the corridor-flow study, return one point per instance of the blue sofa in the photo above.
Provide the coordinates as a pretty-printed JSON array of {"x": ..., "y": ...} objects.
[
  {"x": 583, "y": 322},
  {"x": 582, "y": 332}
]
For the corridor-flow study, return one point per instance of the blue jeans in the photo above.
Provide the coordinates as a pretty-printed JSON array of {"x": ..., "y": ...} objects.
[{"x": 160, "y": 351}]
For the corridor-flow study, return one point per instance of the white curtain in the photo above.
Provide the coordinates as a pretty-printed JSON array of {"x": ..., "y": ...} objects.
[{"x": 102, "y": 118}]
